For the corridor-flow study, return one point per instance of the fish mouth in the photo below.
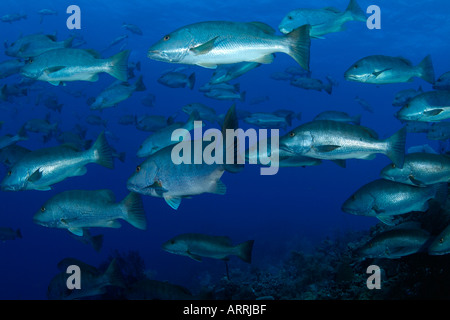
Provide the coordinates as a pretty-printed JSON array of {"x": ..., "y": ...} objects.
[{"x": 285, "y": 148}]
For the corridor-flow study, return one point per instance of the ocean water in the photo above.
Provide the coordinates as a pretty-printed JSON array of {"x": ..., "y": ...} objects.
[{"x": 296, "y": 209}]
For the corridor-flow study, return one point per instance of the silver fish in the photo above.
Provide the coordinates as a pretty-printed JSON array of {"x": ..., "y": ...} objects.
[
  {"x": 441, "y": 244},
  {"x": 40, "y": 169},
  {"x": 197, "y": 245},
  {"x": 385, "y": 199},
  {"x": 443, "y": 82},
  {"x": 75, "y": 210},
  {"x": 68, "y": 64},
  {"x": 379, "y": 69},
  {"x": 322, "y": 21},
  {"x": 428, "y": 107},
  {"x": 420, "y": 169},
  {"x": 35, "y": 44},
  {"x": 332, "y": 140},
  {"x": 395, "y": 243},
  {"x": 212, "y": 43},
  {"x": 117, "y": 92}
]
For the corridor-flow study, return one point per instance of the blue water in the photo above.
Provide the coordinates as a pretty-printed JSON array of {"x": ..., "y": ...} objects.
[{"x": 294, "y": 209}]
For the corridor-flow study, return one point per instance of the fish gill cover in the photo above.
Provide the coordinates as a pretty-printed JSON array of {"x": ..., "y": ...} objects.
[{"x": 345, "y": 100}]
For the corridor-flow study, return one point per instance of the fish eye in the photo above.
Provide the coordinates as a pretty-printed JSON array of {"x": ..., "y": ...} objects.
[
  {"x": 355, "y": 66},
  {"x": 441, "y": 240},
  {"x": 43, "y": 209},
  {"x": 166, "y": 38},
  {"x": 172, "y": 242},
  {"x": 30, "y": 61},
  {"x": 138, "y": 168},
  {"x": 393, "y": 166},
  {"x": 9, "y": 173},
  {"x": 290, "y": 17},
  {"x": 292, "y": 134}
]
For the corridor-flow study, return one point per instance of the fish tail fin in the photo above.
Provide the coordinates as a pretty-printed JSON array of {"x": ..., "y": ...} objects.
[
  {"x": 97, "y": 242},
  {"x": 102, "y": 152},
  {"x": 231, "y": 123},
  {"x": 139, "y": 85},
  {"x": 299, "y": 42},
  {"x": 134, "y": 211},
  {"x": 118, "y": 67},
  {"x": 396, "y": 147},
  {"x": 426, "y": 69},
  {"x": 18, "y": 234},
  {"x": 191, "y": 81},
  {"x": 355, "y": 11},
  {"x": 113, "y": 275},
  {"x": 244, "y": 251}
]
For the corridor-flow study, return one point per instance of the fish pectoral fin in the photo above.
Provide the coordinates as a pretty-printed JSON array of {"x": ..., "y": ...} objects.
[
  {"x": 207, "y": 65},
  {"x": 326, "y": 148},
  {"x": 194, "y": 256},
  {"x": 377, "y": 73},
  {"x": 377, "y": 209},
  {"x": 267, "y": 59},
  {"x": 54, "y": 69},
  {"x": 433, "y": 112},
  {"x": 204, "y": 48},
  {"x": 55, "y": 83},
  {"x": 37, "y": 175},
  {"x": 386, "y": 220},
  {"x": 173, "y": 202},
  {"x": 76, "y": 231},
  {"x": 416, "y": 182}
]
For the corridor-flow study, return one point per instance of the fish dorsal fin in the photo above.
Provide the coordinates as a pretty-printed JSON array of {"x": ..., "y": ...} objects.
[
  {"x": 93, "y": 53},
  {"x": 263, "y": 26},
  {"x": 406, "y": 61},
  {"x": 204, "y": 48}
]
